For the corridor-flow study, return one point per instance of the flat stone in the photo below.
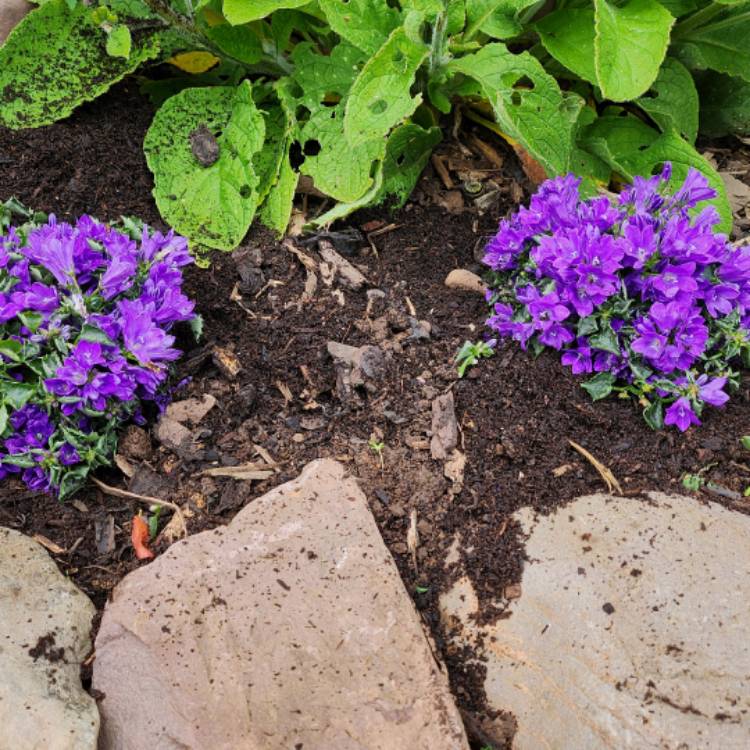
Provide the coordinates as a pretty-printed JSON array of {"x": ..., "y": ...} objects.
[
  {"x": 11, "y": 13},
  {"x": 45, "y": 634},
  {"x": 288, "y": 628},
  {"x": 629, "y": 629},
  {"x": 191, "y": 410},
  {"x": 444, "y": 426}
]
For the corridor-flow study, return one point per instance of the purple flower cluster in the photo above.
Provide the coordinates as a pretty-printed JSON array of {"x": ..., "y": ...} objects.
[
  {"x": 85, "y": 319},
  {"x": 641, "y": 293}
]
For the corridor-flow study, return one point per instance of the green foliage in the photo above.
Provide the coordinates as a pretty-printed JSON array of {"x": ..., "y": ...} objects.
[{"x": 348, "y": 93}]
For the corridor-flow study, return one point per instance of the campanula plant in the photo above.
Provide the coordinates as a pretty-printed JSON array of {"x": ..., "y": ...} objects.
[
  {"x": 85, "y": 318},
  {"x": 640, "y": 293}
]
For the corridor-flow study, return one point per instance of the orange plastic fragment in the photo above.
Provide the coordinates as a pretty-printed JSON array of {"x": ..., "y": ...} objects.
[{"x": 139, "y": 538}]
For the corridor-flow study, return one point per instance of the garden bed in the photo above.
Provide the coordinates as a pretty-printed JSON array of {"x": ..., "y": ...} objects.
[{"x": 515, "y": 414}]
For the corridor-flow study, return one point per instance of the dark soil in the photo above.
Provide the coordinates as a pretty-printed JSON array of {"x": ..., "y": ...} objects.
[{"x": 515, "y": 414}]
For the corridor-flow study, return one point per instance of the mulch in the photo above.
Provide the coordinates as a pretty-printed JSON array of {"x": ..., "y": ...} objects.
[{"x": 515, "y": 413}]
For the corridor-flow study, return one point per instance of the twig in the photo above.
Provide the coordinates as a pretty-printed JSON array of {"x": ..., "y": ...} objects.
[
  {"x": 604, "y": 472},
  {"x": 116, "y": 492},
  {"x": 439, "y": 166}
]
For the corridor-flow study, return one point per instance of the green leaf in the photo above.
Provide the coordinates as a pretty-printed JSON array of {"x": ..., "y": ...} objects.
[
  {"x": 680, "y": 8},
  {"x": 17, "y": 394},
  {"x": 670, "y": 147},
  {"x": 277, "y": 209},
  {"x": 745, "y": 442},
  {"x": 92, "y": 333},
  {"x": 654, "y": 415},
  {"x": 630, "y": 43},
  {"x": 243, "y": 11},
  {"x": 527, "y": 103},
  {"x": 337, "y": 168},
  {"x": 672, "y": 100},
  {"x": 240, "y": 42},
  {"x": 3, "y": 418},
  {"x": 364, "y": 23},
  {"x": 340, "y": 210},
  {"x": 456, "y": 13},
  {"x": 212, "y": 204},
  {"x": 267, "y": 161},
  {"x": 406, "y": 155},
  {"x": 721, "y": 44},
  {"x": 587, "y": 326},
  {"x": 11, "y": 349},
  {"x": 32, "y": 320},
  {"x": 56, "y": 59},
  {"x": 380, "y": 96},
  {"x": 606, "y": 340},
  {"x": 119, "y": 42},
  {"x": 640, "y": 371},
  {"x": 725, "y": 105},
  {"x": 600, "y": 386},
  {"x": 496, "y": 18},
  {"x": 568, "y": 35}
]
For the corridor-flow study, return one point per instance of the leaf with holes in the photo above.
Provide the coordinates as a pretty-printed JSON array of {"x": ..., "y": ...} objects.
[
  {"x": 243, "y": 11},
  {"x": 630, "y": 43},
  {"x": 725, "y": 105},
  {"x": 267, "y": 162},
  {"x": 406, "y": 155},
  {"x": 527, "y": 103},
  {"x": 380, "y": 96},
  {"x": 672, "y": 101},
  {"x": 56, "y": 59},
  {"x": 721, "y": 44},
  {"x": 337, "y": 168},
  {"x": 211, "y": 201},
  {"x": 364, "y": 23}
]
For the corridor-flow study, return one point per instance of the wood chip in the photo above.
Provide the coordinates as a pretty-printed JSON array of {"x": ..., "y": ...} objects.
[
  {"x": 487, "y": 151},
  {"x": 227, "y": 362},
  {"x": 562, "y": 470},
  {"x": 609, "y": 478},
  {"x": 124, "y": 465},
  {"x": 412, "y": 537},
  {"x": 48, "y": 544},
  {"x": 250, "y": 471},
  {"x": 440, "y": 168},
  {"x": 285, "y": 391},
  {"x": 350, "y": 276}
]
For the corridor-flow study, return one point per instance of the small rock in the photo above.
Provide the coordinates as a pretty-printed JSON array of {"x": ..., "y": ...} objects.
[
  {"x": 420, "y": 330},
  {"x": 467, "y": 281},
  {"x": 104, "y": 533},
  {"x": 204, "y": 146},
  {"x": 135, "y": 444},
  {"x": 248, "y": 261},
  {"x": 444, "y": 427},
  {"x": 45, "y": 622},
  {"x": 245, "y": 399},
  {"x": 178, "y": 439},
  {"x": 190, "y": 410}
]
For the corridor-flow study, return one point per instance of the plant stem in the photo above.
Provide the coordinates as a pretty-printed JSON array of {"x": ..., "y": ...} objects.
[{"x": 699, "y": 18}]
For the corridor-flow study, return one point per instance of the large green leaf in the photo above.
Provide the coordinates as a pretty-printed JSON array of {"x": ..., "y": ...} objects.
[
  {"x": 364, "y": 23},
  {"x": 242, "y": 43},
  {"x": 243, "y": 11},
  {"x": 212, "y": 204},
  {"x": 55, "y": 60},
  {"x": 380, "y": 97},
  {"x": 721, "y": 44},
  {"x": 318, "y": 91},
  {"x": 629, "y": 46},
  {"x": 527, "y": 103},
  {"x": 633, "y": 148},
  {"x": 337, "y": 168},
  {"x": 725, "y": 105},
  {"x": 568, "y": 35},
  {"x": 406, "y": 155},
  {"x": 672, "y": 100}
]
